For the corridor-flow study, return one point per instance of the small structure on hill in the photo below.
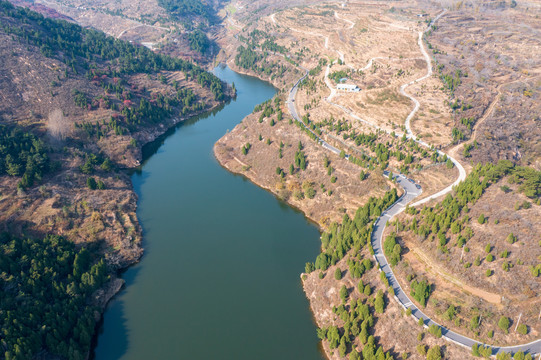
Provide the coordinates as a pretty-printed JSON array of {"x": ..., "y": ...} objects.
[{"x": 348, "y": 87}]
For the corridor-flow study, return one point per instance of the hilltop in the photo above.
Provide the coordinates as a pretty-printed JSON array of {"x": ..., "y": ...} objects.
[{"x": 181, "y": 28}]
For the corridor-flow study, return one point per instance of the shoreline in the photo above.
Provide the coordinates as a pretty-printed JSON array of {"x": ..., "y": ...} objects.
[
  {"x": 322, "y": 347},
  {"x": 245, "y": 175},
  {"x": 112, "y": 288}
]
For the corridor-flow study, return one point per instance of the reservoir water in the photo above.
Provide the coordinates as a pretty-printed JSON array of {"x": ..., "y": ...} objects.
[{"x": 220, "y": 274}]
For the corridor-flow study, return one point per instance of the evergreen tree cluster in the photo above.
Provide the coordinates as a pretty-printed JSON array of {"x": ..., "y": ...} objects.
[
  {"x": 377, "y": 152},
  {"x": 352, "y": 233},
  {"x": 392, "y": 249},
  {"x": 199, "y": 41},
  {"x": 357, "y": 316},
  {"x": 181, "y": 9},
  {"x": 84, "y": 49},
  {"x": 250, "y": 59},
  {"x": 46, "y": 287},
  {"x": 22, "y": 154},
  {"x": 450, "y": 216}
]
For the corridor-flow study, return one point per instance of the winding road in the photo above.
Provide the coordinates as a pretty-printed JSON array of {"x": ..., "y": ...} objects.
[
  {"x": 409, "y": 133},
  {"x": 411, "y": 191},
  {"x": 293, "y": 111}
]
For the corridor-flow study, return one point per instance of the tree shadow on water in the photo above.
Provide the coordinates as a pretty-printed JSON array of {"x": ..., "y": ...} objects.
[{"x": 111, "y": 339}]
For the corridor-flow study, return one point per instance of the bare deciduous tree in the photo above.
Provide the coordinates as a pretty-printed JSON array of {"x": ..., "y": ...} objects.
[{"x": 58, "y": 126}]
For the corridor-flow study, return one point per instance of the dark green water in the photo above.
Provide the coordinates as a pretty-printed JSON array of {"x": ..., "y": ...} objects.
[{"x": 220, "y": 274}]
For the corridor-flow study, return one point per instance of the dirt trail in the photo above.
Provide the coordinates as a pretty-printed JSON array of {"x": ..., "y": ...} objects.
[
  {"x": 409, "y": 133},
  {"x": 437, "y": 270},
  {"x": 455, "y": 150}
]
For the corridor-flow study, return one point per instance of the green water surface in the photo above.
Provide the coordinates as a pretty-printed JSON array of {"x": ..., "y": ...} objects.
[{"x": 220, "y": 274}]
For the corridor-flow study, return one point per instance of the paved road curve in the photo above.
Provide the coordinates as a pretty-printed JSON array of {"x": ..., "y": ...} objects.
[
  {"x": 293, "y": 111},
  {"x": 411, "y": 191}
]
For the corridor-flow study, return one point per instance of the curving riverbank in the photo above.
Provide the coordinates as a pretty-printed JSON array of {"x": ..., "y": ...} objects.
[{"x": 219, "y": 277}]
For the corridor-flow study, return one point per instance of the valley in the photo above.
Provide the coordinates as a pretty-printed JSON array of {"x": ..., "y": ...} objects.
[{"x": 405, "y": 132}]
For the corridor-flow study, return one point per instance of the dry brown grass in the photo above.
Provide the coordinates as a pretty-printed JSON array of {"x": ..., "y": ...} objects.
[
  {"x": 502, "y": 61},
  {"x": 503, "y": 293},
  {"x": 260, "y": 163},
  {"x": 393, "y": 329}
]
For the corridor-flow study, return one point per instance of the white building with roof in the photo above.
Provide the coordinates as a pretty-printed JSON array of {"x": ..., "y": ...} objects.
[{"x": 348, "y": 87}]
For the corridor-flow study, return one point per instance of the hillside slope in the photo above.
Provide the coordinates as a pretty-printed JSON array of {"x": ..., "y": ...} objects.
[{"x": 77, "y": 107}]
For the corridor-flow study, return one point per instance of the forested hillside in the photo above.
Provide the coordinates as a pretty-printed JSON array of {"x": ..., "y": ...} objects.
[
  {"x": 198, "y": 17},
  {"x": 46, "y": 297},
  {"x": 189, "y": 9},
  {"x": 77, "y": 106},
  {"x": 103, "y": 87}
]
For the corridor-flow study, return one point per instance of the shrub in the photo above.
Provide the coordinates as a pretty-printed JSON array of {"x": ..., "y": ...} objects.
[
  {"x": 298, "y": 195},
  {"x": 392, "y": 249},
  {"x": 362, "y": 175},
  {"x": 435, "y": 330},
  {"x": 246, "y": 148},
  {"x": 511, "y": 239},
  {"x": 481, "y": 219},
  {"x": 367, "y": 290},
  {"x": 91, "y": 183},
  {"x": 474, "y": 322},
  {"x": 321, "y": 333},
  {"x": 379, "y": 304},
  {"x": 475, "y": 350},
  {"x": 504, "y": 324},
  {"x": 343, "y": 293},
  {"x": 535, "y": 270},
  {"x": 450, "y": 313},
  {"x": 503, "y": 356},
  {"x": 434, "y": 353}
]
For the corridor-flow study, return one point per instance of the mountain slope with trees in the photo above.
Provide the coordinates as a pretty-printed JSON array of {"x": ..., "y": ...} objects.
[{"x": 77, "y": 108}]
